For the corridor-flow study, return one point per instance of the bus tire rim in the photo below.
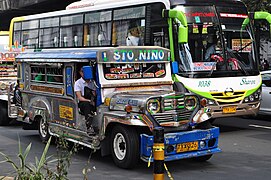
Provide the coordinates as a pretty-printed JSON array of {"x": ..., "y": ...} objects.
[{"x": 119, "y": 145}]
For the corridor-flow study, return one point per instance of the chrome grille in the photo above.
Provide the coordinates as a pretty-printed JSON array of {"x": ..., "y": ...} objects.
[{"x": 173, "y": 110}]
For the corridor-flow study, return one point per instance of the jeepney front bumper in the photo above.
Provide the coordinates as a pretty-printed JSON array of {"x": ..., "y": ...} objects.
[{"x": 182, "y": 145}]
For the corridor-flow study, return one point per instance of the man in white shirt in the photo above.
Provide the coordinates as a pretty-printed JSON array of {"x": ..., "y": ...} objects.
[
  {"x": 85, "y": 91},
  {"x": 133, "y": 38}
]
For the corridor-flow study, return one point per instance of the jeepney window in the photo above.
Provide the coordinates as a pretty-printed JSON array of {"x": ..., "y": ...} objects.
[
  {"x": 98, "y": 28},
  {"x": 49, "y": 32},
  {"x": 129, "y": 26},
  {"x": 47, "y": 74},
  {"x": 71, "y": 31},
  {"x": 134, "y": 71}
]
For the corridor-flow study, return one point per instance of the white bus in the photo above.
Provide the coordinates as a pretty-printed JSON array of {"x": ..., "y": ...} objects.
[{"x": 228, "y": 80}]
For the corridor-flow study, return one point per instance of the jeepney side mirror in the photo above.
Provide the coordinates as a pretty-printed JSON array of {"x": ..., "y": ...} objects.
[
  {"x": 88, "y": 72},
  {"x": 175, "y": 67}
]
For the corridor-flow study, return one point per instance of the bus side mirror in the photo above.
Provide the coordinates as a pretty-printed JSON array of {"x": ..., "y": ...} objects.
[
  {"x": 175, "y": 67},
  {"x": 88, "y": 72},
  {"x": 183, "y": 35}
]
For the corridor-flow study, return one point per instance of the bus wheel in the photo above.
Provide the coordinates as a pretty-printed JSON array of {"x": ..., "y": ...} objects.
[
  {"x": 4, "y": 114},
  {"x": 124, "y": 146},
  {"x": 43, "y": 130},
  {"x": 203, "y": 158}
]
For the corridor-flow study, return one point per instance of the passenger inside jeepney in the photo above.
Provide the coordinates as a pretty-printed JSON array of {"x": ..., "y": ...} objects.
[
  {"x": 133, "y": 35},
  {"x": 85, "y": 90}
]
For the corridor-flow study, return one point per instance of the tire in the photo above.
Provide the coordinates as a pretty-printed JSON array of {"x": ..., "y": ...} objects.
[
  {"x": 124, "y": 146},
  {"x": 4, "y": 120},
  {"x": 203, "y": 158},
  {"x": 43, "y": 130}
]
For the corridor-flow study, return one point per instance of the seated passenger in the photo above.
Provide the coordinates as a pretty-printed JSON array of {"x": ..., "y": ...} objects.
[
  {"x": 133, "y": 38},
  {"x": 85, "y": 92}
]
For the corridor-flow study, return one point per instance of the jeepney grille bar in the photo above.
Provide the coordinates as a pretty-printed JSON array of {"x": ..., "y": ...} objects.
[{"x": 173, "y": 110}]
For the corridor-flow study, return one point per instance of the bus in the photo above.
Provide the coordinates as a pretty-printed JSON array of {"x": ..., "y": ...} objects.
[
  {"x": 134, "y": 95},
  {"x": 8, "y": 76},
  {"x": 228, "y": 81}
]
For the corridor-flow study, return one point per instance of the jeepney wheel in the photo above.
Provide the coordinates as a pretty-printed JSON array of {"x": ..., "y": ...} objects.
[
  {"x": 125, "y": 146},
  {"x": 203, "y": 158},
  {"x": 4, "y": 120},
  {"x": 43, "y": 130}
]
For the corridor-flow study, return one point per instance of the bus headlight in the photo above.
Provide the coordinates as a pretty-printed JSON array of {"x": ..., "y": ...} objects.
[
  {"x": 256, "y": 96},
  {"x": 153, "y": 106},
  {"x": 190, "y": 102}
]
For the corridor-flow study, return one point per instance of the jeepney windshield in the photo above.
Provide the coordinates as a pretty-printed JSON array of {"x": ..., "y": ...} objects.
[
  {"x": 113, "y": 71},
  {"x": 218, "y": 45}
]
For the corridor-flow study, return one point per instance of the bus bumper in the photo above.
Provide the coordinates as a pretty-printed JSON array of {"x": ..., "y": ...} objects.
[
  {"x": 241, "y": 110},
  {"x": 209, "y": 137}
]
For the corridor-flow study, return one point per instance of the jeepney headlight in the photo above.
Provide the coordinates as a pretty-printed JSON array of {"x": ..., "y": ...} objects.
[
  {"x": 153, "y": 106},
  {"x": 190, "y": 102}
]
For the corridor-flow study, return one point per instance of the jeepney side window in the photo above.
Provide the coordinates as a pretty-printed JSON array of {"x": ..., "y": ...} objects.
[
  {"x": 30, "y": 34},
  {"x": 49, "y": 32},
  {"x": 47, "y": 74},
  {"x": 71, "y": 31},
  {"x": 97, "y": 28},
  {"x": 134, "y": 71},
  {"x": 126, "y": 21},
  {"x": 17, "y": 33}
]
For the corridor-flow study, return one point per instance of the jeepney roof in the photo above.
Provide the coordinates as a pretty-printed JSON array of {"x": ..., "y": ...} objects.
[{"x": 58, "y": 56}]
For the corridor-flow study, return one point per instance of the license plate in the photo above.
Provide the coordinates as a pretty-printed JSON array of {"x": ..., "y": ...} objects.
[
  {"x": 188, "y": 146},
  {"x": 230, "y": 109}
]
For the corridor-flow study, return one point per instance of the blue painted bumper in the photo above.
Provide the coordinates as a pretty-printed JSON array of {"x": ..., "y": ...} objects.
[{"x": 209, "y": 136}]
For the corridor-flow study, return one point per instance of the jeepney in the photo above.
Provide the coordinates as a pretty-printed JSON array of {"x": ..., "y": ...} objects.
[{"x": 134, "y": 95}]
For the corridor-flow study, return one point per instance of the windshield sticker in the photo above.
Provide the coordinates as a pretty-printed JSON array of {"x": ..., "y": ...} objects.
[
  {"x": 241, "y": 44},
  {"x": 229, "y": 15},
  {"x": 111, "y": 76},
  {"x": 197, "y": 19},
  {"x": 204, "y": 66},
  {"x": 160, "y": 73},
  {"x": 148, "y": 74},
  {"x": 199, "y": 14},
  {"x": 135, "y": 75}
]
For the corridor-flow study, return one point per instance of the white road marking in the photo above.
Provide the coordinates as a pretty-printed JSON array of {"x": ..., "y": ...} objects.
[{"x": 259, "y": 126}]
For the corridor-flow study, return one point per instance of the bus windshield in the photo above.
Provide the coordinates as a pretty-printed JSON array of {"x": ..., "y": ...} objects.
[{"x": 217, "y": 45}]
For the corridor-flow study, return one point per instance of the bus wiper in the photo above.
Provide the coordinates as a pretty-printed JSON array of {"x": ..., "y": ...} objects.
[{"x": 239, "y": 63}]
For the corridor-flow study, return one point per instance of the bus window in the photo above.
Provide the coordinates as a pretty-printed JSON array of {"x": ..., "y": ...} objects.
[
  {"x": 17, "y": 32},
  {"x": 98, "y": 29},
  {"x": 30, "y": 34},
  {"x": 49, "y": 32},
  {"x": 71, "y": 31},
  {"x": 129, "y": 18}
]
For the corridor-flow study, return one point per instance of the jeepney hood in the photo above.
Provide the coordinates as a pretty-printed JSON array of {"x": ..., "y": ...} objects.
[
  {"x": 168, "y": 108},
  {"x": 137, "y": 99}
]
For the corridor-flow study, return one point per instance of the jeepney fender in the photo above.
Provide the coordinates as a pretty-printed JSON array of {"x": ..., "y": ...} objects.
[
  {"x": 116, "y": 117},
  {"x": 39, "y": 106}
]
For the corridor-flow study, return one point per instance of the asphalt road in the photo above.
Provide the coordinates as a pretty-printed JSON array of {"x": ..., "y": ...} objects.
[{"x": 245, "y": 145}]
